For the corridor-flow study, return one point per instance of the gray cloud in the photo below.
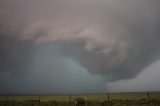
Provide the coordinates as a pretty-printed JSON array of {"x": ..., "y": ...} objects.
[
  {"x": 42, "y": 68},
  {"x": 147, "y": 80},
  {"x": 114, "y": 39},
  {"x": 15, "y": 55}
]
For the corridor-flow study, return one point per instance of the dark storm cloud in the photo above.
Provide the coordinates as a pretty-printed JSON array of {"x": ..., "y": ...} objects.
[
  {"x": 15, "y": 56},
  {"x": 15, "y": 60},
  {"x": 42, "y": 68},
  {"x": 115, "y": 39}
]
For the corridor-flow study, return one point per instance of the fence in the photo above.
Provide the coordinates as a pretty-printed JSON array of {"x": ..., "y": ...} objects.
[{"x": 98, "y": 97}]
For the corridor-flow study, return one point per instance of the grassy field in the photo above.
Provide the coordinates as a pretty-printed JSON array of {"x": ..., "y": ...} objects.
[{"x": 97, "y": 97}]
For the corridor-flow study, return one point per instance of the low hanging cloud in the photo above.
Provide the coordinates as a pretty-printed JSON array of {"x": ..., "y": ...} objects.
[{"x": 114, "y": 39}]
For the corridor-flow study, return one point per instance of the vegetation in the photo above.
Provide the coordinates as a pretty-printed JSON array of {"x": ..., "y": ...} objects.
[{"x": 112, "y": 99}]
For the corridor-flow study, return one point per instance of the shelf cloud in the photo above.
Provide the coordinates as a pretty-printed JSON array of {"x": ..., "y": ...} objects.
[{"x": 100, "y": 40}]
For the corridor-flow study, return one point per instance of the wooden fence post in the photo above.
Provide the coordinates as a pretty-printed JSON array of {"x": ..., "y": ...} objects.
[
  {"x": 148, "y": 95},
  {"x": 108, "y": 95},
  {"x": 39, "y": 100},
  {"x": 70, "y": 97},
  {"x": 6, "y": 100}
]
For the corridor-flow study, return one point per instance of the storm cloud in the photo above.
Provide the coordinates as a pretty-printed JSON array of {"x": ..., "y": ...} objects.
[{"x": 55, "y": 41}]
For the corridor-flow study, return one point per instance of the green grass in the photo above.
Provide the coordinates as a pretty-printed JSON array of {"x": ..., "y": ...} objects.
[{"x": 98, "y": 97}]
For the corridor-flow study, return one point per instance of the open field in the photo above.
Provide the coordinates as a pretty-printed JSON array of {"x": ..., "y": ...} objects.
[
  {"x": 98, "y": 97},
  {"x": 111, "y": 99}
]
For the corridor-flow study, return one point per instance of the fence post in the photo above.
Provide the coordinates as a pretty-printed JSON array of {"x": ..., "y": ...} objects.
[
  {"x": 148, "y": 95},
  {"x": 39, "y": 100},
  {"x": 70, "y": 97},
  {"x": 6, "y": 100},
  {"x": 108, "y": 95}
]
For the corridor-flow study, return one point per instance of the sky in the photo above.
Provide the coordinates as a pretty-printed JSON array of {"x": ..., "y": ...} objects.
[{"x": 79, "y": 46}]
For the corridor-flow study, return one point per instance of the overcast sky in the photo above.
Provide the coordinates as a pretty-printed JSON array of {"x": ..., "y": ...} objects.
[{"x": 79, "y": 46}]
